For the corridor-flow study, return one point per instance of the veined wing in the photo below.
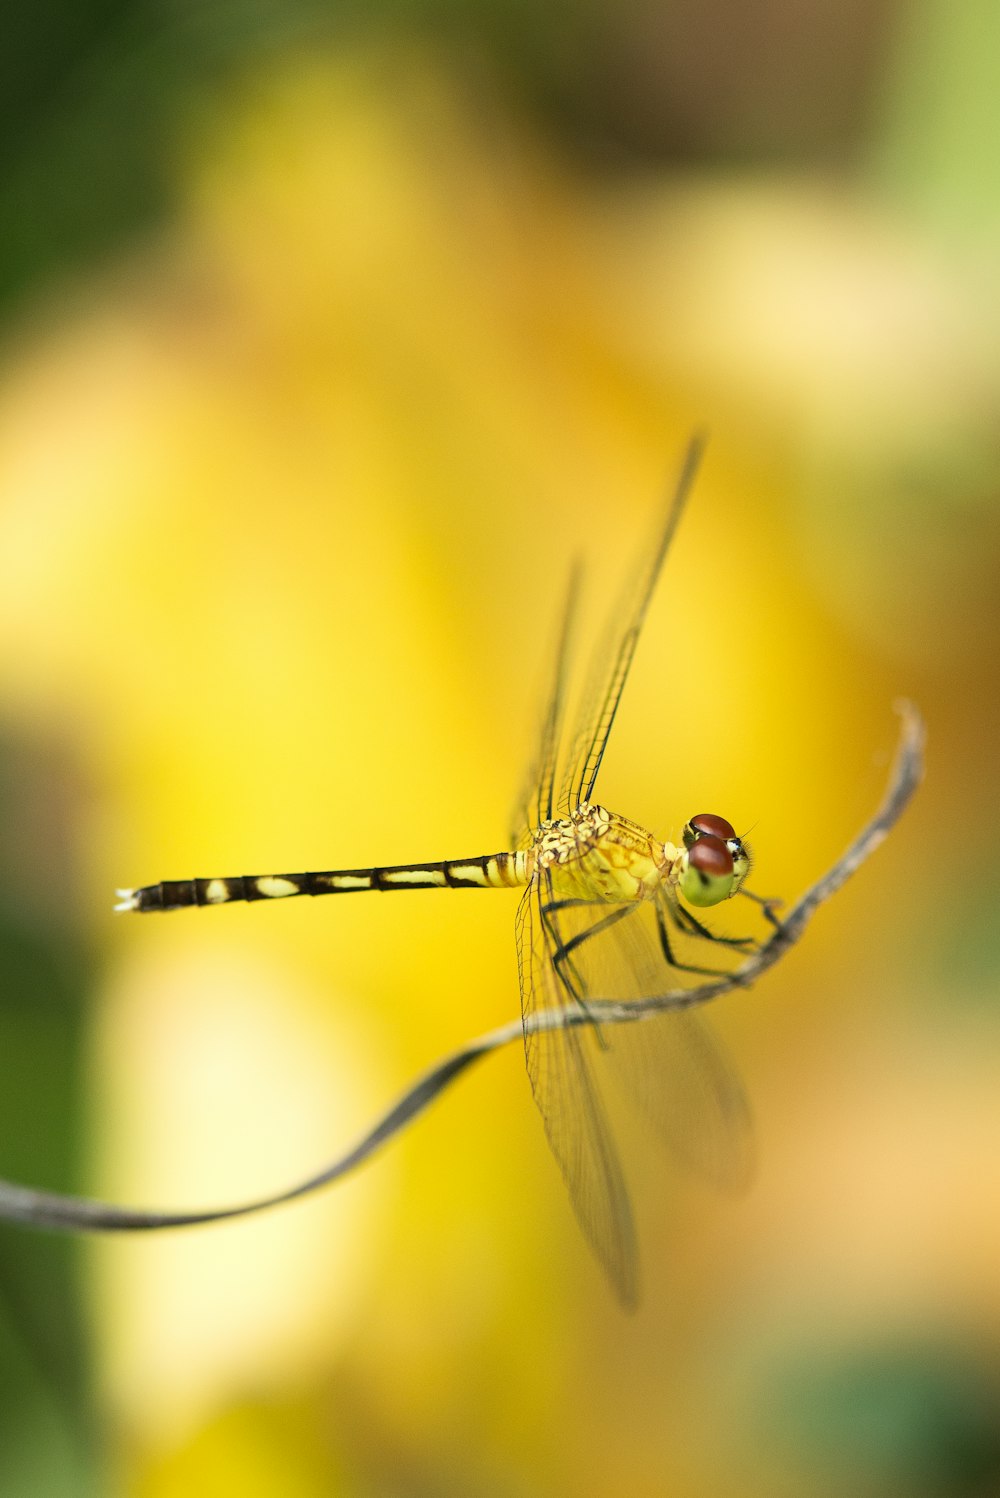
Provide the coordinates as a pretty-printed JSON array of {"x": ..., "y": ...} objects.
[
  {"x": 536, "y": 800},
  {"x": 572, "y": 954},
  {"x": 670, "y": 1065},
  {"x": 612, "y": 659},
  {"x": 571, "y": 1109}
]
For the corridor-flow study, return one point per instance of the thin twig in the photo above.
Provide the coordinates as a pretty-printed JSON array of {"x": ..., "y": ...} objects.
[{"x": 48, "y": 1209}]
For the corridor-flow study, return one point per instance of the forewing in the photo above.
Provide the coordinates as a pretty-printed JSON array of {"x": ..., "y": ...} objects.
[
  {"x": 612, "y": 658},
  {"x": 535, "y": 801},
  {"x": 575, "y": 1123}
]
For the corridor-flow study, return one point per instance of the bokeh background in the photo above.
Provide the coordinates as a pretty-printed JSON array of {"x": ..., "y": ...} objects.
[{"x": 329, "y": 336}]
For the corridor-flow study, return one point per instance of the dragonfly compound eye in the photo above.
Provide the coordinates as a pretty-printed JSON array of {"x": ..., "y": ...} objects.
[
  {"x": 706, "y": 824},
  {"x": 709, "y": 876}
]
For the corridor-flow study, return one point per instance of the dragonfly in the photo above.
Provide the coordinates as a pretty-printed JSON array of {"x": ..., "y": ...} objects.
[{"x": 608, "y": 912}]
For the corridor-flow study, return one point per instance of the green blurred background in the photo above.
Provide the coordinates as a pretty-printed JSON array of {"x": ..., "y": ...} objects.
[{"x": 329, "y": 336}]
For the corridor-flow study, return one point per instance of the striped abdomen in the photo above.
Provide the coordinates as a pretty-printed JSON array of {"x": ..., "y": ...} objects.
[{"x": 492, "y": 871}]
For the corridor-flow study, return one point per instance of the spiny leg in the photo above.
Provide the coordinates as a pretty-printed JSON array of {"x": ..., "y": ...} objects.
[
  {"x": 767, "y": 903},
  {"x": 667, "y": 950},
  {"x": 559, "y": 951},
  {"x": 572, "y": 904},
  {"x": 691, "y": 926},
  {"x": 569, "y": 978},
  {"x": 561, "y": 955}
]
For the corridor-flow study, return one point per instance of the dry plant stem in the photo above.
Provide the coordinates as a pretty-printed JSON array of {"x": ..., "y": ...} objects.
[{"x": 46, "y": 1209}]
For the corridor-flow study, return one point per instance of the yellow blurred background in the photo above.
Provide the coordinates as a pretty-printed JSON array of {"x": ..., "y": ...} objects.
[{"x": 322, "y": 360}]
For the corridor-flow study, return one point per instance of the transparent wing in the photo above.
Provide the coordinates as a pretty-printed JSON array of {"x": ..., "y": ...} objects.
[
  {"x": 571, "y": 954},
  {"x": 677, "y": 1073},
  {"x": 612, "y": 658},
  {"x": 535, "y": 801},
  {"x": 575, "y": 1123},
  {"x": 671, "y": 1066}
]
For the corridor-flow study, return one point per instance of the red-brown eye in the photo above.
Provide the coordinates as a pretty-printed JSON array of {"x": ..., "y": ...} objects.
[
  {"x": 706, "y": 824},
  {"x": 710, "y": 856}
]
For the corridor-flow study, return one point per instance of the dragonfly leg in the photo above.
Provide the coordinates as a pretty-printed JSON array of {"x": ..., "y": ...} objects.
[
  {"x": 561, "y": 954},
  {"x": 691, "y": 926},
  {"x": 768, "y": 904},
  {"x": 561, "y": 951},
  {"x": 554, "y": 905},
  {"x": 667, "y": 949}
]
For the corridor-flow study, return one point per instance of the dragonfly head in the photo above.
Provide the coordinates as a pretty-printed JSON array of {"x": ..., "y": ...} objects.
[{"x": 717, "y": 860}]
